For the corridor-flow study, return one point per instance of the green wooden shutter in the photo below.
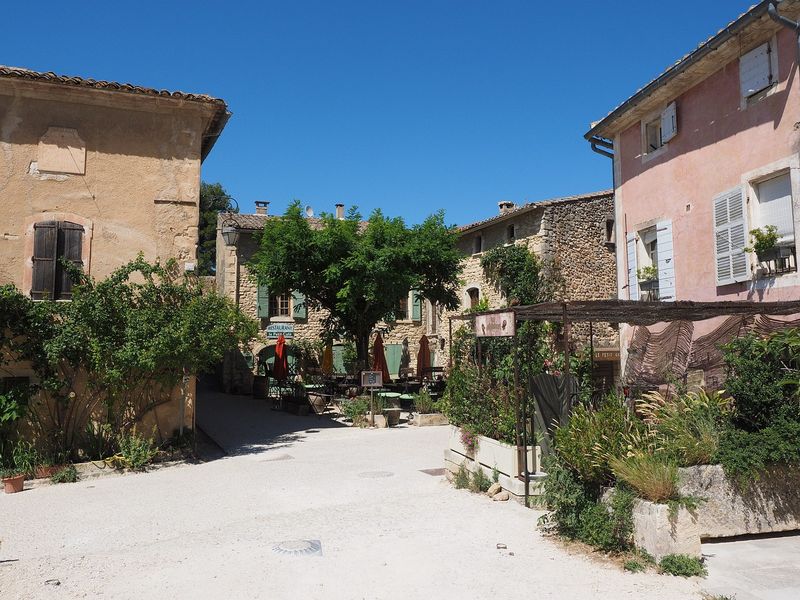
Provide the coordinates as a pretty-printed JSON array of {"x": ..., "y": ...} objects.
[
  {"x": 263, "y": 301},
  {"x": 416, "y": 307},
  {"x": 394, "y": 354},
  {"x": 299, "y": 309}
]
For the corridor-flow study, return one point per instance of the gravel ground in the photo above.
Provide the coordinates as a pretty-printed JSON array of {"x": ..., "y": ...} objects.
[{"x": 386, "y": 529}]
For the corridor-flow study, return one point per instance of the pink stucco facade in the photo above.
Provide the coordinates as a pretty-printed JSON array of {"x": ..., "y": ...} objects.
[{"x": 723, "y": 141}]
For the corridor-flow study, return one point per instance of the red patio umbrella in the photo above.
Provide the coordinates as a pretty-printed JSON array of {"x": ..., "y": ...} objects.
[
  {"x": 423, "y": 357},
  {"x": 379, "y": 358},
  {"x": 280, "y": 370}
]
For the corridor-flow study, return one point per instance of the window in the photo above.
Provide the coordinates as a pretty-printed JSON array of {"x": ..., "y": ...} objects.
[
  {"x": 477, "y": 244},
  {"x": 659, "y": 129},
  {"x": 757, "y": 70},
  {"x": 409, "y": 308},
  {"x": 402, "y": 310},
  {"x": 434, "y": 317},
  {"x": 773, "y": 208},
  {"x": 651, "y": 272},
  {"x": 474, "y": 296},
  {"x": 279, "y": 305},
  {"x": 611, "y": 235},
  {"x": 511, "y": 233},
  {"x": 54, "y": 243},
  {"x": 730, "y": 237}
]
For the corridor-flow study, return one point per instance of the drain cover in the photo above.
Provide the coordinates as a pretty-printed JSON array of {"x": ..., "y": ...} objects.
[
  {"x": 299, "y": 548},
  {"x": 375, "y": 474},
  {"x": 434, "y": 472}
]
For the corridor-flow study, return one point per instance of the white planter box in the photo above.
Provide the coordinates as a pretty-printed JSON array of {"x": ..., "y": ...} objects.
[{"x": 494, "y": 454}]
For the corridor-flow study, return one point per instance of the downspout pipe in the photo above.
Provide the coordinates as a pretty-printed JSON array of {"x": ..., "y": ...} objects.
[
  {"x": 772, "y": 11},
  {"x": 596, "y": 141}
]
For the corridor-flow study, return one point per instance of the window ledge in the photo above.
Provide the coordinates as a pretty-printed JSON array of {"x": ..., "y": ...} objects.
[
  {"x": 648, "y": 156},
  {"x": 281, "y": 319}
]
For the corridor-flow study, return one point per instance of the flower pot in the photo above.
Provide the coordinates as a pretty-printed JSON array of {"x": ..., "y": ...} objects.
[
  {"x": 14, "y": 484},
  {"x": 392, "y": 416},
  {"x": 47, "y": 471},
  {"x": 649, "y": 285}
]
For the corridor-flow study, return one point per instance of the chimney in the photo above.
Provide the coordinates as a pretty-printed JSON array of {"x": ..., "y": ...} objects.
[
  {"x": 261, "y": 207},
  {"x": 505, "y": 206},
  {"x": 340, "y": 211}
]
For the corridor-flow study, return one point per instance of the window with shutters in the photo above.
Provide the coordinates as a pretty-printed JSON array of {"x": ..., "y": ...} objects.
[
  {"x": 757, "y": 69},
  {"x": 279, "y": 305},
  {"x": 474, "y": 296},
  {"x": 730, "y": 237},
  {"x": 409, "y": 308},
  {"x": 56, "y": 245},
  {"x": 477, "y": 244},
  {"x": 658, "y": 129},
  {"x": 773, "y": 208},
  {"x": 401, "y": 314}
]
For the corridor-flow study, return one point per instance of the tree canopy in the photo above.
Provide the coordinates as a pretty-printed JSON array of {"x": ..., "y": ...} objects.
[
  {"x": 213, "y": 200},
  {"x": 359, "y": 272}
]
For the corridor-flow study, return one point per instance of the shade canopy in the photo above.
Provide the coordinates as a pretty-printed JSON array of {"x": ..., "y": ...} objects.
[
  {"x": 327, "y": 359},
  {"x": 379, "y": 358},
  {"x": 280, "y": 369},
  {"x": 423, "y": 356}
]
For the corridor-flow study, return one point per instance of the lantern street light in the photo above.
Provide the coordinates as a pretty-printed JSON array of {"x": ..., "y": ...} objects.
[{"x": 230, "y": 228}]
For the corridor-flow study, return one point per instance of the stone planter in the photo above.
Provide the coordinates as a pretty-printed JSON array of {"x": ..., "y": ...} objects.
[
  {"x": 392, "y": 416},
  {"x": 659, "y": 534},
  {"x": 428, "y": 420},
  {"x": 495, "y": 454}
]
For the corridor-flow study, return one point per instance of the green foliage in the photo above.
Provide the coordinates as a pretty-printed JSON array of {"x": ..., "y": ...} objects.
[
  {"x": 462, "y": 478},
  {"x": 764, "y": 239},
  {"x": 744, "y": 455},
  {"x": 517, "y": 273},
  {"x": 423, "y": 403},
  {"x": 135, "y": 451},
  {"x": 634, "y": 565},
  {"x": 495, "y": 474},
  {"x": 653, "y": 477},
  {"x": 609, "y": 527},
  {"x": 213, "y": 200},
  {"x": 25, "y": 458},
  {"x": 355, "y": 409},
  {"x": 649, "y": 273},
  {"x": 359, "y": 274},
  {"x": 762, "y": 378},
  {"x": 68, "y": 474},
  {"x": 592, "y": 437},
  {"x": 480, "y": 482},
  {"x": 682, "y": 565}
]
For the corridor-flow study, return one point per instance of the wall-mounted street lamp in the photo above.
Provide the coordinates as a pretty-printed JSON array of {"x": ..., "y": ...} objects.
[{"x": 230, "y": 228}]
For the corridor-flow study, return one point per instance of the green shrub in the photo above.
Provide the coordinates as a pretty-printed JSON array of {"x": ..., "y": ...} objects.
[
  {"x": 634, "y": 565},
  {"x": 423, "y": 403},
  {"x": 609, "y": 527},
  {"x": 745, "y": 454},
  {"x": 25, "y": 458},
  {"x": 682, "y": 565},
  {"x": 462, "y": 478},
  {"x": 480, "y": 482},
  {"x": 651, "y": 476},
  {"x": 565, "y": 497},
  {"x": 135, "y": 451},
  {"x": 355, "y": 409},
  {"x": 68, "y": 474}
]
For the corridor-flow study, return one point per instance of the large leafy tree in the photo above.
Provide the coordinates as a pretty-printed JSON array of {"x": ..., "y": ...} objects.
[
  {"x": 359, "y": 272},
  {"x": 213, "y": 200}
]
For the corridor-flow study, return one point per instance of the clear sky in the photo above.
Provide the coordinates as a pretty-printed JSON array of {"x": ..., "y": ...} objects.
[{"x": 406, "y": 105}]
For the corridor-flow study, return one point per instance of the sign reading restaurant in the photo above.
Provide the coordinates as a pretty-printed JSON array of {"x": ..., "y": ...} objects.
[
  {"x": 495, "y": 325},
  {"x": 275, "y": 329}
]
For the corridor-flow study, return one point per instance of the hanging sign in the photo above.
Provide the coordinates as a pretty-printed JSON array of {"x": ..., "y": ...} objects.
[
  {"x": 495, "y": 325},
  {"x": 275, "y": 329},
  {"x": 371, "y": 378}
]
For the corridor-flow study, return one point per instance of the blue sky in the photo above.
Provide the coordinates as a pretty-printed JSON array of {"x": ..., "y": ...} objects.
[{"x": 410, "y": 106}]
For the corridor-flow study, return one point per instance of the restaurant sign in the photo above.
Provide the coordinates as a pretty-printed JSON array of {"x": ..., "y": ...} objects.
[
  {"x": 495, "y": 325},
  {"x": 275, "y": 329}
]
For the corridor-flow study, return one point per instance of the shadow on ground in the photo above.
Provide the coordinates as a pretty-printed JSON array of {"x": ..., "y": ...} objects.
[{"x": 245, "y": 425}]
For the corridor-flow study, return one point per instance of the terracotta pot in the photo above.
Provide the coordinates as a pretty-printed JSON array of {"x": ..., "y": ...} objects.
[
  {"x": 12, "y": 485},
  {"x": 45, "y": 472}
]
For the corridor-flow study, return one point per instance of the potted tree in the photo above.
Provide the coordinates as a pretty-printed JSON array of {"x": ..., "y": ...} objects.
[
  {"x": 648, "y": 278},
  {"x": 764, "y": 240}
]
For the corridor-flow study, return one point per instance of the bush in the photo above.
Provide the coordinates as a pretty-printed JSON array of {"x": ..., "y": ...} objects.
[
  {"x": 25, "y": 458},
  {"x": 480, "y": 482},
  {"x": 423, "y": 403},
  {"x": 355, "y": 409},
  {"x": 634, "y": 565},
  {"x": 68, "y": 474},
  {"x": 682, "y": 565},
  {"x": 135, "y": 452},
  {"x": 462, "y": 479},
  {"x": 651, "y": 476},
  {"x": 745, "y": 454}
]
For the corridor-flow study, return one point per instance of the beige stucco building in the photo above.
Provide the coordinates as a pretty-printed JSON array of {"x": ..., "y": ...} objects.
[
  {"x": 574, "y": 234},
  {"x": 97, "y": 172}
]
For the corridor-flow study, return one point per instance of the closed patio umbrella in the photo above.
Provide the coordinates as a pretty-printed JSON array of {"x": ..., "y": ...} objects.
[
  {"x": 423, "y": 357},
  {"x": 327, "y": 359},
  {"x": 280, "y": 370},
  {"x": 379, "y": 358}
]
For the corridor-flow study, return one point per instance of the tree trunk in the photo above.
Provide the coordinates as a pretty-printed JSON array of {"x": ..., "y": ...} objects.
[{"x": 362, "y": 349}]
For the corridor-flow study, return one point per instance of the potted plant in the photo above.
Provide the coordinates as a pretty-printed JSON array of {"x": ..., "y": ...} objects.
[
  {"x": 426, "y": 410},
  {"x": 764, "y": 240},
  {"x": 13, "y": 480},
  {"x": 648, "y": 278}
]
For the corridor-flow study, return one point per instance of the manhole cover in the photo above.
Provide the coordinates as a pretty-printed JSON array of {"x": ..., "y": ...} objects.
[
  {"x": 375, "y": 474},
  {"x": 299, "y": 548},
  {"x": 434, "y": 472}
]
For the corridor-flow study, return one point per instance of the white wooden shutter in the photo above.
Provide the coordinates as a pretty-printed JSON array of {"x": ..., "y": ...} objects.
[
  {"x": 755, "y": 70},
  {"x": 666, "y": 264},
  {"x": 730, "y": 235},
  {"x": 633, "y": 280},
  {"x": 669, "y": 123}
]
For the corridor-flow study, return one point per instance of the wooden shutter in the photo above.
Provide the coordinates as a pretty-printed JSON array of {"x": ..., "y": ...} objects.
[
  {"x": 416, "y": 306},
  {"x": 666, "y": 264},
  {"x": 730, "y": 237},
  {"x": 633, "y": 280},
  {"x": 755, "y": 70},
  {"x": 262, "y": 306},
  {"x": 299, "y": 309},
  {"x": 669, "y": 123},
  {"x": 45, "y": 244},
  {"x": 70, "y": 248}
]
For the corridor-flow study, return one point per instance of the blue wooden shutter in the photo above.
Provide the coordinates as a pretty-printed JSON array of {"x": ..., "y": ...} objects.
[
  {"x": 299, "y": 309},
  {"x": 416, "y": 307},
  {"x": 263, "y": 301},
  {"x": 666, "y": 264},
  {"x": 633, "y": 279}
]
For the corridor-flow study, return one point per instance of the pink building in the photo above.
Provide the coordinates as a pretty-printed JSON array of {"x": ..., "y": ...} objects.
[{"x": 702, "y": 155}]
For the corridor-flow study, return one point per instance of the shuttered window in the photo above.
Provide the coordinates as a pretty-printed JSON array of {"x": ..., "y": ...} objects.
[
  {"x": 262, "y": 308},
  {"x": 730, "y": 237},
  {"x": 416, "y": 306},
  {"x": 633, "y": 279},
  {"x": 775, "y": 207},
  {"x": 299, "y": 309},
  {"x": 755, "y": 70},
  {"x": 669, "y": 123},
  {"x": 54, "y": 243},
  {"x": 665, "y": 262}
]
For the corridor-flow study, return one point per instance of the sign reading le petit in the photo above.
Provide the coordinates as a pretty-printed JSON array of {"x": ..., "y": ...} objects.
[{"x": 495, "y": 325}]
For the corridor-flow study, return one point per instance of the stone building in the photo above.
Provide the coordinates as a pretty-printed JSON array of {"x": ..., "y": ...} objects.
[
  {"x": 574, "y": 233},
  {"x": 574, "y": 237},
  {"x": 288, "y": 314},
  {"x": 96, "y": 172}
]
